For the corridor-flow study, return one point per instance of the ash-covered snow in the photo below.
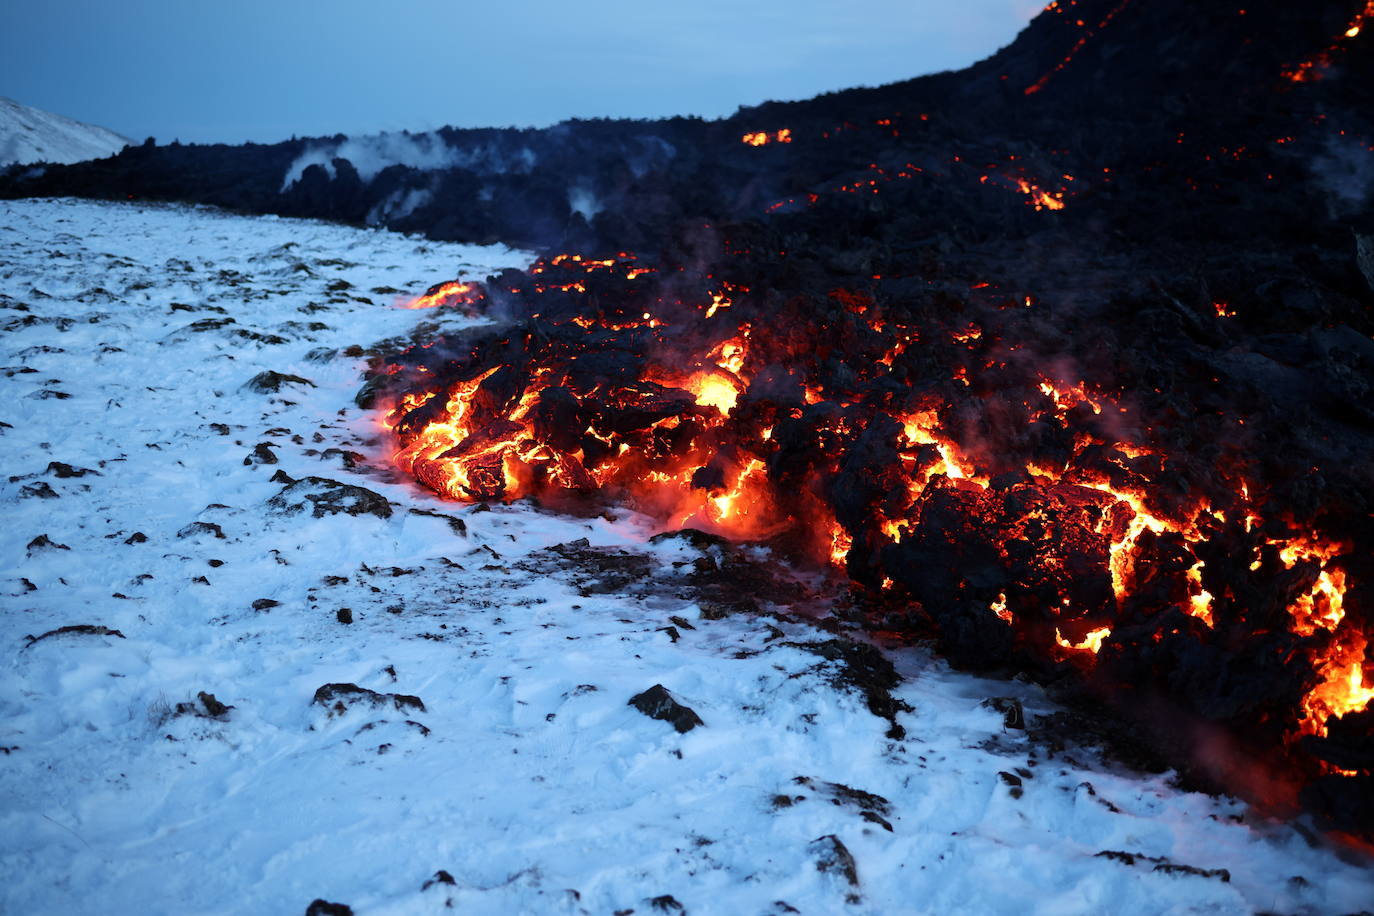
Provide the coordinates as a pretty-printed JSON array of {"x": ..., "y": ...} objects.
[
  {"x": 493, "y": 738},
  {"x": 32, "y": 135}
]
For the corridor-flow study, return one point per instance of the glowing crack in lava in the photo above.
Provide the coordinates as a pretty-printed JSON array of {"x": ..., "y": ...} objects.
[{"x": 1083, "y": 551}]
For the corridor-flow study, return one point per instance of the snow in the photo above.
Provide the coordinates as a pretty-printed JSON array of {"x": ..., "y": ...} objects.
[
  {"x": 33, "y": 135},
  {"x": 526, "y": 777}
]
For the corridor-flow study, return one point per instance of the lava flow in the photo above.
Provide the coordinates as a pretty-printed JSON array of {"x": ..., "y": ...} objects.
[{"x": 1050, "y": 532}]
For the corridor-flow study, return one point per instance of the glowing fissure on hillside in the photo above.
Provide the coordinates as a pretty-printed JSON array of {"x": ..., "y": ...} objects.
[{"x": 1087, "y": 35}]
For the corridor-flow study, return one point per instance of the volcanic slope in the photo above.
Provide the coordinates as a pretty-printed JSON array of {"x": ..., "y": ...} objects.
[
  {"x": 33, "y": 135},
  {"x": 184, "y": 688}
]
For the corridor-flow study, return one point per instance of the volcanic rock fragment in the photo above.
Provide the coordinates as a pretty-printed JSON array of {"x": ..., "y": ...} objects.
[
  {"x": 39, "y": 490},
  {"x": 337, "y": 698},
  {"x": 321, "y": 496},
  {"x": 43, "y": 542},
  {"x": 261, "y": 454},
  {"x": 833, "y": 857},
  {"x": 658, "y": 703},
  {"x": 195, "y": 529},
  {"x": 269, "y": 381},
  {"x": 321, "y": 907},
  {"x": 80, "y": 629}
]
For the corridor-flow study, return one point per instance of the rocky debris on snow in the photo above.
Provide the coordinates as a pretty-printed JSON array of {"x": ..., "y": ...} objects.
[
  {"x": 366, "y": 398},
  {"x": 43, "y": 542},
  {"x": 205, "y": 707},
  {"x": 262, "y": 454},
  {"x": 1013, "y": 715},
  {"x": 344, "y": 615},
  {"x": 39, "y": 490},
  {"x": 667, "y": 903},
  {"x": 66, "y": 471},
  {"x": 1014, "y": 783},
  {"x": 440, "y": 877},
  {"x": 322, "y": 496},
  {"x": 268, "y": 381},
  {"x": 197, "y": 529},
  {"x": 337, "y": 698},
  {"x": 265, "y": 604},
  {"x": 862, "y": 667},
  {"x": 80, "y": 629},
  {"x": 871, "y": 807},
  {"x": 455, "y": 524},
  {"x": 348, "y": 459},
  {"x": 1164, "y": 865},
  {"x": 138, "y": 537},
  {"x": 1100, "y": 734},
  {"x": 602, "y": 570},
  {"x": 834, "y": 858},
  {"x": 658, "y": 703},
  {"x": 59, "y": 470}
]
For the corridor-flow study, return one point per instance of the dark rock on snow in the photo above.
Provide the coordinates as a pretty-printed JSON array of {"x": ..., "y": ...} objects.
[
  {"x": 321, "y": 496},
  {"x": 658, "y": 703}
]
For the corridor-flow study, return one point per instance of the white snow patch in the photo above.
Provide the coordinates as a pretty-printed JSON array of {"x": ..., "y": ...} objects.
[
  {"x": 526, "y": 777},
  {"x": 33, "y": 135}
]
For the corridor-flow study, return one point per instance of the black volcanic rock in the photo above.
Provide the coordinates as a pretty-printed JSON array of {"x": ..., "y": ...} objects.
[{"x": 658, "y": 703}]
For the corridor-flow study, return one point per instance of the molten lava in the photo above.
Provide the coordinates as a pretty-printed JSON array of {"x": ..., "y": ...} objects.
[{"x": 1050, "y": 527}]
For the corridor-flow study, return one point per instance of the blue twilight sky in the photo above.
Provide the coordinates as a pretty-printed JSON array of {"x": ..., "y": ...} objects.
[{"x": 234, "y": 70}]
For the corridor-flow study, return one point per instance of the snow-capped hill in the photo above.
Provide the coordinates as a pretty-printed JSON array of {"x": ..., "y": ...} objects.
[{"x": 33, "y": 135}]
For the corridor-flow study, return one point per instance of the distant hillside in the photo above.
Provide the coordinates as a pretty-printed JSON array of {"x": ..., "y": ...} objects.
[{"x": 32, "y": 135}]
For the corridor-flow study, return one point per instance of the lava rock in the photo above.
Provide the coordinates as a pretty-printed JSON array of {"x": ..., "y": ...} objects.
[
  {"x": 43, "y": 542},
  {"x": 658, "y": 703},
  {"x": 337, "y": 698},
  {"x": 261, "y": 454},
  {"x": 269, "y": 381},
  {"x": 40, "y": 490},
  {"x": 80, "y": 629},
  {"x": 319, "y": 907},
  {"x": 440, "y": 877},
  {"x": 833, "y": 857},
  {"x": 195, "y": 529},
  {"x": 322, "y": 496}
]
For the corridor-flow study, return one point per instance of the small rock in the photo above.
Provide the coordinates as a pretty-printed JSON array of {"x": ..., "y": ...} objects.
[
  {"x": 320, "y": 907},
  {"x": 261, "y": 454},
  {"x": 322, "y": 496},
  {"x": 282, "y": 477},
  {"x": 440, "y": 877},
  {"x": 138, "y": 537},
  {"x": 40, "y": 490},
  {"x": 265, "y": 604},
  {"x": 658, "y": 703},
  {"x": 337, "y": 698},
  {"x": 43, "y": 542},
  {"x": 344, "y": 615},
  {"x": 80, "y": 629},
  {"x": 269, "y": 381},
  {"x": 833, "y": 857},
  {"x": 195, "y": 529},
  {"x": 66, "y": 471},
  {"x": 1013, "y": 716}
]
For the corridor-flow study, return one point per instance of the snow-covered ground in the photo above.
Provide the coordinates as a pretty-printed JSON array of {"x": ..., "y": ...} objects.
[
  {"x": 518, "y": 770},
  {"x": 32, "y": 135}
]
